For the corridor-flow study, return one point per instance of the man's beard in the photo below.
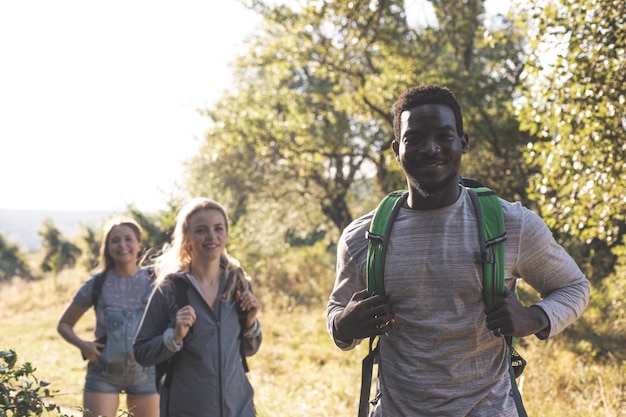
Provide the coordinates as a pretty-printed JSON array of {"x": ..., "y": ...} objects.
[{"x": 429, "y": 188}]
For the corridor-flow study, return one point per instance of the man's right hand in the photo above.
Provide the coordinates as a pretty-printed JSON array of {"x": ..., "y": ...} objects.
[{"x": 363, "y": 317}]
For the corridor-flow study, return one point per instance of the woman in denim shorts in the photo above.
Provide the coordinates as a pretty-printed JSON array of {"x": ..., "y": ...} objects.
[{"x": 119, "y": 294}]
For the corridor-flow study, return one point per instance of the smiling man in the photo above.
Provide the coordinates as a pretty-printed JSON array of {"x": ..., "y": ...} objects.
[{"x": 442, "y": 353}]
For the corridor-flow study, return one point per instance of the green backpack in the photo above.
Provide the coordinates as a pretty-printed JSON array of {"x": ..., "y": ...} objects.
[{"x": 491, "y": 239}]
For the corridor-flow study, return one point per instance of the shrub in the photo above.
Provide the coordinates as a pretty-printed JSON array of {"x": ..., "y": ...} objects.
[{"x": 21, "y": 393}]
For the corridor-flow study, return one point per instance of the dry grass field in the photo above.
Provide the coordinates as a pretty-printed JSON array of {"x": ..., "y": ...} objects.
[{"x": 298, "y": 371}]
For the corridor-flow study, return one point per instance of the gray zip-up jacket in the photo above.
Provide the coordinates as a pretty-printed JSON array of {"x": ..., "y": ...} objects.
[{"x": 207, "y": 378}]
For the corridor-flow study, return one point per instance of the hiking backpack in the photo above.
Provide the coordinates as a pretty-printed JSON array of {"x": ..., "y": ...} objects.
[{"x": 491, "y": 237}]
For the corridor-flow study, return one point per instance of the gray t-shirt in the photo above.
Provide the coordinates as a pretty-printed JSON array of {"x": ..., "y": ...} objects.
[
  {"x": 120, "y": 293},
  {"x": 439, "y": 359}
]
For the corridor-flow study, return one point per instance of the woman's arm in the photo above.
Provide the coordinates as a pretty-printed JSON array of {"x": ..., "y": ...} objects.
[
  {"x": 68, "y": 320},
  {"x": 149, "y": 346}
]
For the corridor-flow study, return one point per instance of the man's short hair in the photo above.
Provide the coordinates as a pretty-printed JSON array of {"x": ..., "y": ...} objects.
[{"x": 425, "y": 94}]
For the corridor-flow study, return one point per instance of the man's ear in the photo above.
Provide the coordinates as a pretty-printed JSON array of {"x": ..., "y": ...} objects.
[
  {"x": 465, "y": 142},
  {"x": 395, "y": 147}
]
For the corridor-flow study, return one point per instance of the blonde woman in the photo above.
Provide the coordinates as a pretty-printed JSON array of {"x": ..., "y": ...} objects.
[
  {"x": 200, "y": 320},
  {"x": 118, "y": 293}
]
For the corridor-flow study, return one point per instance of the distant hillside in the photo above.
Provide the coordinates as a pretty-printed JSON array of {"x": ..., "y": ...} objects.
[{"x": 21, "y": 226}]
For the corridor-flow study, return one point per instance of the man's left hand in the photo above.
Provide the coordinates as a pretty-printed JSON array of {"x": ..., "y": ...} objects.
[{"x": 508, "y": 317}]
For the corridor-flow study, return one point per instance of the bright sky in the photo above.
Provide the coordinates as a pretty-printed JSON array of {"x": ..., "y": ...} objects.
[{"x": 99, "y": 99}]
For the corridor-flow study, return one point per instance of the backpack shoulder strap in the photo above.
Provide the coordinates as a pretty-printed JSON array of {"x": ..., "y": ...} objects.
[
  {"x": 163, "y": 370},
  {"x": 491, "y": 237},
  {"x": 100, "y": 277},
  {"x": 378, "y": 237},
  {"x": 243, "y": 320},
  {"x": 180, "y": 291}
]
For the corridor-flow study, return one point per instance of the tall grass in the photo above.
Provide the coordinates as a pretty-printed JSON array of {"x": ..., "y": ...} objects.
[{"x": 298, "y": 371}]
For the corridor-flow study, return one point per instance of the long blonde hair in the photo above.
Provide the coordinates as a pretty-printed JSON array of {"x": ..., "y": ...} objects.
[{"x": 176, "y": 258}]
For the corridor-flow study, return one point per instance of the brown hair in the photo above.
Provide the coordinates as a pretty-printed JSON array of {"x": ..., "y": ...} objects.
[{"x": 106, "y": 261}]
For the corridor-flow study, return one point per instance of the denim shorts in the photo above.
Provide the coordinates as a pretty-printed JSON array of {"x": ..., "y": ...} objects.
[{"x": 132, "y": 379}]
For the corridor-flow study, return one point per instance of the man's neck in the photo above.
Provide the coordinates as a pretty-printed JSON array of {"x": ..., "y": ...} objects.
[{"x": 446, "y": 197}]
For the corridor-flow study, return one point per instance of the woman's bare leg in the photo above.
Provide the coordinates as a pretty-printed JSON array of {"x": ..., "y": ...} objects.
[
  {"x": 143, "y": 405},
  {"x": 100, "y": 404}
]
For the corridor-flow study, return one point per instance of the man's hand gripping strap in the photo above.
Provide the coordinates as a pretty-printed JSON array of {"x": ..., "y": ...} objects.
[{"x": 378, "y": 237}]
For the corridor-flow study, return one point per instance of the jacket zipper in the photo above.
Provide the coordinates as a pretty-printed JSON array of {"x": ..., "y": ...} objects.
[
  {"x": 217, "y": 314},
  {"x": 219, "y": 365}
]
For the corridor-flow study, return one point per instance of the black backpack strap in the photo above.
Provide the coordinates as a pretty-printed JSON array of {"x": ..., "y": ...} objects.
[
  {"x": 181, "y": 295},
  {"x": 181, "y": 286},
  {"x": 163, "y": 370},
  {"x": 243, "y": 321},
  {"x": 517, "y": 396},
  {"x": 367, "y": 367},
  {"x": 99, "y": 279},
  {"x": 470, "y": 182}
]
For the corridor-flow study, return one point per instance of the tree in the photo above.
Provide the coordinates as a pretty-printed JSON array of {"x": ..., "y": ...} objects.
[
  {"x": 157, "y": 228},
  {"x": 302, "y": 142},
  {"x": 573, "y": 98},
  {"x": 89, "y": 246},
  {"x": 58, "y": 252},
  {"x": 308, "y": 126},
  {"x": 12, "y": 261}
]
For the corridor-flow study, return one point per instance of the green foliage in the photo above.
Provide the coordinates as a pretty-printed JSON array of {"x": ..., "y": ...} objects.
[
  {"x": 59, "y": 253},
  {"x": 89, "y": 245},
  {"x": 563, "y": 377},
  {"x": 301, "y": 276},
  {"x": 481, "y": 61},
  {"x": 157, "y": 227},
  {"x": 605, "y": 321},
  {"x": 307, "y": 129},
  {"x": 596, "y": 258},
  {"x": 21, "y": 393},
  {"x": 12, "y": 261},
  {"x": 573, "y": 97}
]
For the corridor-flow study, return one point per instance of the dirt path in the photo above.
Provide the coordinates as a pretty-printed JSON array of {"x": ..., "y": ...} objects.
[{"x": 70, "y": 412}]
